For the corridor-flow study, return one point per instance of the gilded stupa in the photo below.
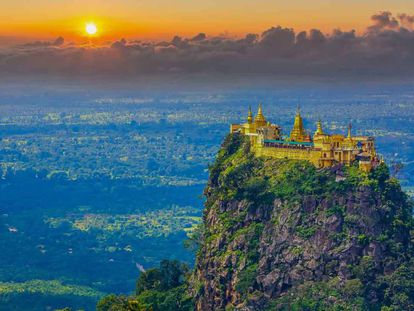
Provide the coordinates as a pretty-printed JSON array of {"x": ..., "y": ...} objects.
[{"x": 323, "y": 150}]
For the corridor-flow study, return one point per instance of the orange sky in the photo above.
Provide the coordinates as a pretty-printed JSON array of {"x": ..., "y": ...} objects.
[{"x": 161, "y": 19}]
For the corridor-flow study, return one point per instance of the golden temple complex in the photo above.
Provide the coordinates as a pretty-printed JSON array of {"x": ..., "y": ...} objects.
[{"x": 321, "y": 149}]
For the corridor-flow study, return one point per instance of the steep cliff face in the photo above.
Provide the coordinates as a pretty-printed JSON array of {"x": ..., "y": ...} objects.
[{"x": 280, "y": 234}]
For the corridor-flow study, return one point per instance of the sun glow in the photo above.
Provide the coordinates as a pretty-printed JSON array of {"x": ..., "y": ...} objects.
[{"x": 91, "y": 29}]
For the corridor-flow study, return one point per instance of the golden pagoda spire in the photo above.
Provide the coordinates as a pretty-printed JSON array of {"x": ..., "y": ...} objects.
[
  {"x": 250, "y": 116},
  {"x": 298, "y": 131},
  {"x": 349, "y": 130},
  {"x": 260, "y": 120},
  {"x": 319, "y": 130},
  {"x": 260, "y": 112}
]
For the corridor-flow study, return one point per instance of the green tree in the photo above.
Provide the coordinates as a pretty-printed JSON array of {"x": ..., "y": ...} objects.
[
  {"x": 113, "y": 303},
  {"x": 399, "y": 294},
  {"x": 170, "y": 274}
]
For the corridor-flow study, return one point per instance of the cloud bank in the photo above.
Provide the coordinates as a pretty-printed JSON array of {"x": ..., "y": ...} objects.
[{"x": 385, "y": 49}]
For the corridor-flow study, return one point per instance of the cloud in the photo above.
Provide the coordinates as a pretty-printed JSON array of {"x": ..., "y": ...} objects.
[
  {"x": 383, "y": 20},
  {"x": 58, "y": 42},
  {"x": 200, "y": 37},
  {"x": 385, "y": 49},
  {"x": 277, "y": 41},
  {"x": 406, "y": 20}
]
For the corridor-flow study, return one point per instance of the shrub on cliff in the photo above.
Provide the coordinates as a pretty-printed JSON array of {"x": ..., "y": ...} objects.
[{"x": 158, "y": 289}]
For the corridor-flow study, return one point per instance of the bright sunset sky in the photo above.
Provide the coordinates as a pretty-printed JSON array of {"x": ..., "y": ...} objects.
[{"x": 162, "y": 19}]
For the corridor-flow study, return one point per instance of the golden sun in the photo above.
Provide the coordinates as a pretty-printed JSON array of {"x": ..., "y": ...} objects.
[{"x": 91, "y": 29}]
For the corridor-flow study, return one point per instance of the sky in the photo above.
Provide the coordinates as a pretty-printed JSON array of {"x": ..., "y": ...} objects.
[
  {"x": 22, "y": 20},
  {"x": 353, "y": 38}
]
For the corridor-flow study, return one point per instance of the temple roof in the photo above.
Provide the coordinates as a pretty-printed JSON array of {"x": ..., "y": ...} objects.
[
  {"x": 250, "y": 115},
  {"x": 260, "y": 119},
  {"x": 298, "y": 132},
  {"x": 319, "y": 130}
]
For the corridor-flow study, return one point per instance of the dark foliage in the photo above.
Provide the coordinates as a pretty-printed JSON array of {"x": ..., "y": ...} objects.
[{"x": 158, "y": 289}]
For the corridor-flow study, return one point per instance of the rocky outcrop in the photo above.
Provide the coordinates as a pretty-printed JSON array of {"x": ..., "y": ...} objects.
[{"x": 276, "y": 227}]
